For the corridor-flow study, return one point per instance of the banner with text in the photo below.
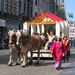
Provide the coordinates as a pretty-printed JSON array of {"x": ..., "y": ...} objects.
[{"x": 72, "y": 32}]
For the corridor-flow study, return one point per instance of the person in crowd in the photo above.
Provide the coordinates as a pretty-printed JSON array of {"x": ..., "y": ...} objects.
[
  {"x": 74, "y": 42},
  {"x": 3, "y": 44},
  {"x": 43, "y": 37},
  {"x": 51, "y": 39},
  {"x": 66, "y": 44},
  {"x": 46, "y": 37},
  {"x": 57, "y": 50},
  {"x": 71, "y": 42}
]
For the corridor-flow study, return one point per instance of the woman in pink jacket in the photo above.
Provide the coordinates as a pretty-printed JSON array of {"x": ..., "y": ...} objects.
[{"x": 57, "y": 50}]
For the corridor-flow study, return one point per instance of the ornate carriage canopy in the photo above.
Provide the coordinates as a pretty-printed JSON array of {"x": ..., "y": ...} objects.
[{"x": 44, "y": 18}]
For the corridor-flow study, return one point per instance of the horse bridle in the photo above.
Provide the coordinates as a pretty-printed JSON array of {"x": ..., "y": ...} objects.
[{"x": 13, "y": 42}]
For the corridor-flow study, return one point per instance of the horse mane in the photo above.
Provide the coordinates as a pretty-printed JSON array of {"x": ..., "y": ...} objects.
[
  {"x": 25, "y": 32},
  {"x": 12, "y": 31},
  {"x": 34, "y": 33}
]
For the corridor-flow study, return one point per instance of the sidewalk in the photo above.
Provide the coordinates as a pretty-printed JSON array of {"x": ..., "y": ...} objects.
[
  {"x": 70, "y": 70},
  {"x": 4, "y": 52}
]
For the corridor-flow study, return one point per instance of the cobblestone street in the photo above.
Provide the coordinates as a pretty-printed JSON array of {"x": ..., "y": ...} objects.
[{"x": 46, "y": 66}]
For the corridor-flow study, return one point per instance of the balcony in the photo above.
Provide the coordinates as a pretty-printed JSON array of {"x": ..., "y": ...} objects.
[
  {"x": 8, "y": 16},
  {"x": 6, "y": 0},
  {"x": 13, "y": 17}
]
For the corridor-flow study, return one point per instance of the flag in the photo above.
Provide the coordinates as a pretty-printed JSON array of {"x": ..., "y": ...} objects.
[{"x": 70, "y": 15}]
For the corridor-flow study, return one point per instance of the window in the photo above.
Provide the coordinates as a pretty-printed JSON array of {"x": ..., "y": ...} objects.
[
  {"x": 2, "y": 5},
  {"x": 7, "y": 7},
  {"x": 6, "y": 0},
  {"x": 35, "y": 2},
  {"x": 24, "y": 7},
  {"x": 11, "y": 9},
  {"x": 24, "y": 0},
  {"x": 19, "y": 7},
  {"x": 28, "y": 5},
  {"x": 31, "y": 12}
]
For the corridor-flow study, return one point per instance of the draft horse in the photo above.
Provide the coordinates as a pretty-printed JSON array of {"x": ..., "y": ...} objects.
[
  {"x": 13, "y": 47},
  {"x": 28, "y": 43}
]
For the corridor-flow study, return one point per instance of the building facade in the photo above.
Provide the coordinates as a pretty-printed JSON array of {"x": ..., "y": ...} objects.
[
  {"x": 61, "y": 9},
  {"x": 54, "y": 6},
  {"x": 40, "y": 6},
  {"x": 14, "y": 12}
]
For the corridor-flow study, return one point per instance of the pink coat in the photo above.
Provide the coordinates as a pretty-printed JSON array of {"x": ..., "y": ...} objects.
[{"x": 57, "y": 50}]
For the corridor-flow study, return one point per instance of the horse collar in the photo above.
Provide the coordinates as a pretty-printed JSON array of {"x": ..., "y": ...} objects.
[
  {"x": 25, "y": 41},
  {"x": 12, "y": 44}
]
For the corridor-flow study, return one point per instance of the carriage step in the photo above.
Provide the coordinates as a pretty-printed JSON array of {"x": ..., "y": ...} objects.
[{"x": 43, "y": 53}]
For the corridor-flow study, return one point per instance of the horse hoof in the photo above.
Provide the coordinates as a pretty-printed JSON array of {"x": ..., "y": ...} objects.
[
  {"x": 21, "y": 61},
  {"x": 23, "y": 65},
  {"x": 27, "y": 64},
  {"x": 30, "y": 63},
  {"x": 10, "y": 64},
  {"x": 37, "y": 62},
  {"x": 18, "y": 64}
]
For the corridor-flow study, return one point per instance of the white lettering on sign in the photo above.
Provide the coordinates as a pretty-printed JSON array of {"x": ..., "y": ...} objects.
[
  {"x": 72, "y": 32},
  {"x": 2, "y": 23}
]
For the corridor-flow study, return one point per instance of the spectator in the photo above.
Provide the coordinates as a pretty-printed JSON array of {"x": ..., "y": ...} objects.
[
  {"x": 71, "y": 42},
  {"x": 74, "y": 42},
  {"x": 50, "y": 40},
  {"x": 2, "y": 44},
  {"x": 66, "y": 48},
  {"x": 46, "y": 37},
  {"x": 57, "y": 50},
  {"x": 6, "y": 40},
  {"x": 43, "y": 37}
]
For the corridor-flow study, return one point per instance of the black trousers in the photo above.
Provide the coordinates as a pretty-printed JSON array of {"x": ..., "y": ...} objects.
[{"x": 66, "y": 57}]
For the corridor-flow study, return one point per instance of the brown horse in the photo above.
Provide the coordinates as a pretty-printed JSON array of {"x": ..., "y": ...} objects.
[
  {"x": 28, "y": 43},
  {"x": 13, "y": 47}
]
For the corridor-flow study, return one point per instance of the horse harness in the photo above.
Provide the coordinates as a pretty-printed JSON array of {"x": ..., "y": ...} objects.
[
  {"x": 26, "y": 40},
  {"x": 12, "y": 46}
]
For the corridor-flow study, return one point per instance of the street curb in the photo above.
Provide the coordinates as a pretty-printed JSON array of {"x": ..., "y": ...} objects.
[{"x": 4, "y": 52}]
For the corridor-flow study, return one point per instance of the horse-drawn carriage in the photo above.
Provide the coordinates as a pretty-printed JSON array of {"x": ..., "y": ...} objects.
[
  {"x": 27, "y": 46},
  {"x": 22, "y": 42}
]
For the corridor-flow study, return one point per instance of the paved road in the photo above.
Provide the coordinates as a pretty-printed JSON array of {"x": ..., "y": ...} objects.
[
  {"x": 70, "y": 70},
  {"x": 46, "y": 67}
]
